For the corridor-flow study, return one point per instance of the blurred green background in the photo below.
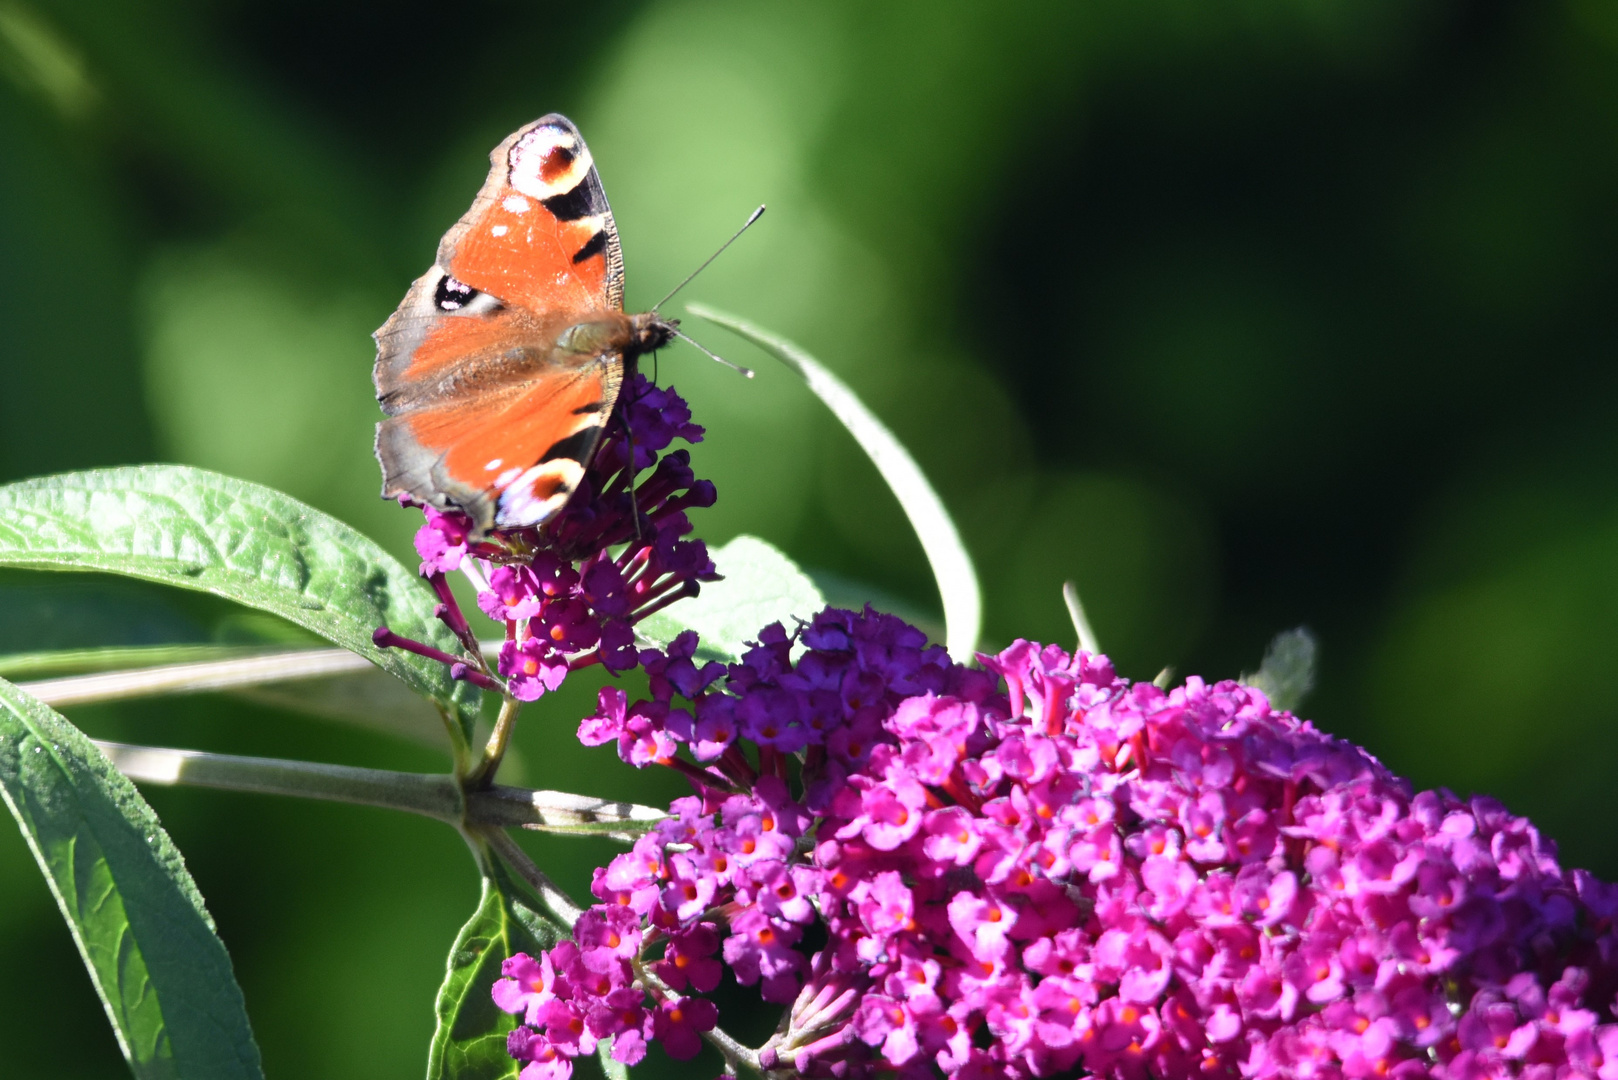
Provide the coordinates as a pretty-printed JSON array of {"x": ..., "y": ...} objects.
[{"x": 1241, "y": 314}]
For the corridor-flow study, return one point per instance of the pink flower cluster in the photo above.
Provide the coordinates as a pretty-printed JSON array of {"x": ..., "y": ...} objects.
[
  {"x": 1041, "y": 870},
  {"x": 565, "y": 601}
]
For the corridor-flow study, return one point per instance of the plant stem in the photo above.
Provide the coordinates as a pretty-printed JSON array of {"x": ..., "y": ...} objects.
[
  {"x": 495, "y": 748},
  {"x": 530, "y": 809},
  {"x": 197, "y": 677},
  {"x": 735, "y": 1054},
  {"x": 61, "y": 662},
  {"x": 953, "y": 572},
  {"x": 555, "y": 900},
  {"x": 421, "y": 793},
  {"x": 432, "y": 795},
  {"x": 1081, "y": 622},
  {"x": 459, "y": 751},
  {"x": 234, "y": 669}
]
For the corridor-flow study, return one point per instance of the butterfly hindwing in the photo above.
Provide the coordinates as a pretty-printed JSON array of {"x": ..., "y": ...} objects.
[{"x": 512, "y": 457}]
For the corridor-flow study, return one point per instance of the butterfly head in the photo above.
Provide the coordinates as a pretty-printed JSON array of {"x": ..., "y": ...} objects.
[{"x": 650, "y": 332}]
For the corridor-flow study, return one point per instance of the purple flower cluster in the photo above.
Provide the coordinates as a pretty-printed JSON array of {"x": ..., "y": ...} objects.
[
  {"x": 1040, "y": 869},
  {"x": 565, "y": 600}
]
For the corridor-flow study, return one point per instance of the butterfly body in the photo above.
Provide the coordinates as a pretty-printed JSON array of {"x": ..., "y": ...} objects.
[{"x": 500, "y": 369}]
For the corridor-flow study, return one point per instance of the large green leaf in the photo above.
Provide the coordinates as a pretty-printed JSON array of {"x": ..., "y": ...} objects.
[
  {"x": 952, "y": 567},
  {"x": 133, "y": 910},
  {"x": 761, "y": 586},
  {"x": 198, "y": 530},
  {"x": 470, "y": 1040}
]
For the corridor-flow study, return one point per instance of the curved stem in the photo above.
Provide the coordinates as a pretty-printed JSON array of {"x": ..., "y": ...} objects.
[
  {"x": 555, "y": 900},
  {"x": 459, "y": 751},
  {"x": 734, "y": 1053},
  {"x": 941, "y": 542},
  {"x": 495, "y": 749}
]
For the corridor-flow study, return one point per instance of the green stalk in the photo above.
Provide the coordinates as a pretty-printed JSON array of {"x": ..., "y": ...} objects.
[
  {"x": 735, "y": 1053},
  {"x": 555, "y": 900},
  {"x": 196, "y": 677},
  {"x": 435, "y": 796},
  {"x": 419, "y": 793},
  {"x": 495, "y": 749}
]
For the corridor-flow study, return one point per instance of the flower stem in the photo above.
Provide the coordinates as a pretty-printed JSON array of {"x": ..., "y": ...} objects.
[
  {"x": 387, "y": 639},
  {"x": 495, "y": 749},
  {"x": 696, "y": 775},
  {"x": 735, "y": 1054},
  {"x": 197, "y": 677},
  {"x": 1081, "y": 622},
  {"x": 555, "y": 900},
  {"x": 433, "y": 795},
  {"x": 690, "y": 588},
  {"x": 579, "y": 663},
  {"x": 449, "y": 612},
  {"x": 420, "y": 793}
]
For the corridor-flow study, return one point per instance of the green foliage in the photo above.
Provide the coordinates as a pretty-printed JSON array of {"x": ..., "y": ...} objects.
[
  {"x": 952, "y": 568},
  {"x": 470, "y": 1040},
  {"x": 199, "y": 530},
  {"x": 1233, "y": 314},
  {"x": 1287, "y": 673},
  {"x": 760, "y": 586},
  {"x": 135, "y": 914}
]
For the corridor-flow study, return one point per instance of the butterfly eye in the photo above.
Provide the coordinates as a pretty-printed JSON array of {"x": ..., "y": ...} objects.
[
  {"x": 557, "y": 161},
  {"x": 452, "y": 295}
]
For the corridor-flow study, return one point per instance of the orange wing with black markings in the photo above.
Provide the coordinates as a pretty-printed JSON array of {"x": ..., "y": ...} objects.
[{"x": 495, "y": 400}]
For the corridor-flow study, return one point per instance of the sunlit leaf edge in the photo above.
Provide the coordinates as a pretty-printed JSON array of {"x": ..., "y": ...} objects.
[{"x": 952, "y": 567}]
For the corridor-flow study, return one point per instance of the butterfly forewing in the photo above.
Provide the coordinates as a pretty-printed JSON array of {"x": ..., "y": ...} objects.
[{"x": 487, "y": 413}]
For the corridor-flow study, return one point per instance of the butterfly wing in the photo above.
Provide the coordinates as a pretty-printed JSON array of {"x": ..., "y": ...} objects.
[{"x": 487, "y": 413}]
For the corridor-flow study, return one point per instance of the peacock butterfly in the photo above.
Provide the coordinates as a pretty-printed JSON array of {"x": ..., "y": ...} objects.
[{"x": 500, "y": 369}]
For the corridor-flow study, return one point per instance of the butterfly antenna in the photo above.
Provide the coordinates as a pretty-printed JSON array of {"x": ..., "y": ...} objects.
[
  {"x": 745, "y": 226},
  {"x": 748, "y": 372}
]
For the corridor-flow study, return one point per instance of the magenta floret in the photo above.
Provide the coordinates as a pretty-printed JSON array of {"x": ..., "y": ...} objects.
[
  {"x": 564, "y": 600},
  {"x": 1040, "y": 869}
]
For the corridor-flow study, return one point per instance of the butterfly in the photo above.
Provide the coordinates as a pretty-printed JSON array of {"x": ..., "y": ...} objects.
[{"x": 500, "y": 369}]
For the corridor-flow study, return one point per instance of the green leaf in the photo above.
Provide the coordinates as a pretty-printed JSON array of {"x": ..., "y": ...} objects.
[
  {"x": 1081, "y": 621},
  {"x": 1287, "y": 673},
  {"x": 470, "y": 1040},
  {"x": 133, "y": 910},
  {"x": 611, "y": 1068},
  {"x": 952, "y": 567},
  {"x": 760, "y": 586},
  {"x": 198, "y": 530}
]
